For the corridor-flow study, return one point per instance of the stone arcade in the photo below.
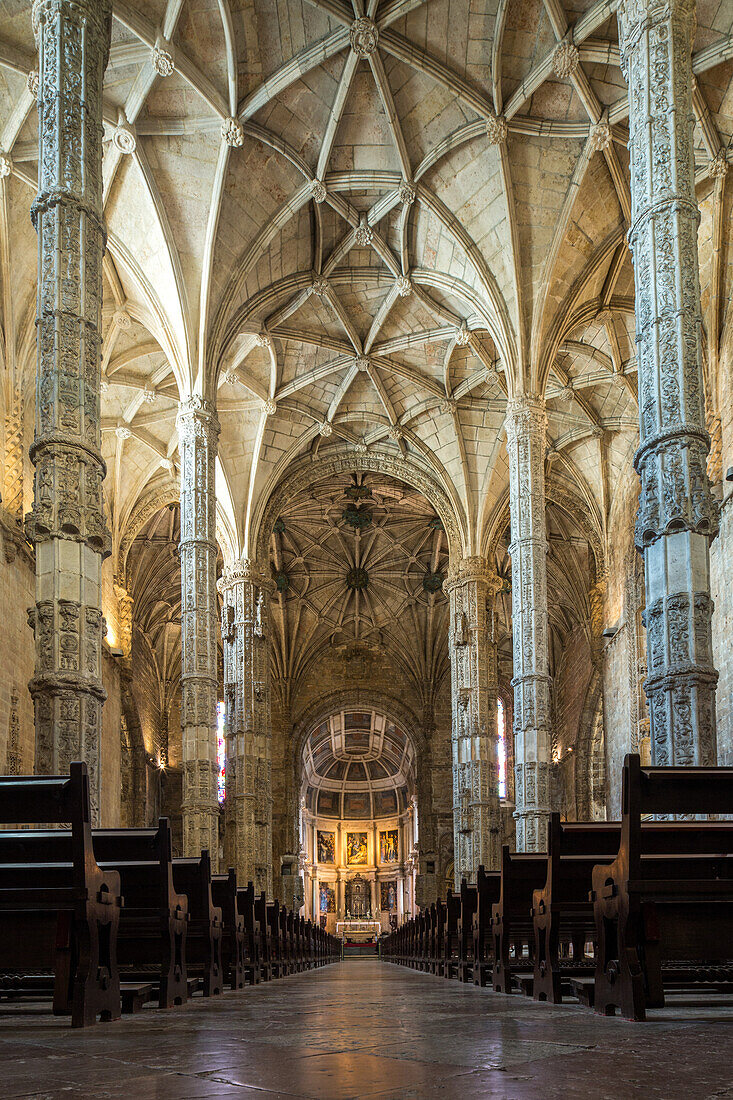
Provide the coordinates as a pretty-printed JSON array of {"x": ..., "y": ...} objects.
[{"x": 367, "y": 439}]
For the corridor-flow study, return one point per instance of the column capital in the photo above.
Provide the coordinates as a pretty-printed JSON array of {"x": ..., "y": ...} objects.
[
  {"x": 634, "y": 15},
  {"x": 197, "y": 419},
  {"x": 470, "y": 569},
  {"x": 525, "y": 413},
  {"x": 246, "y": 571}
]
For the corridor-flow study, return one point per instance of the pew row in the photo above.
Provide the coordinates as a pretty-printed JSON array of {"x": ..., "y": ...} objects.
[
  {"x": 664, "y": 906},
  {"x": 59, "y": 909}
]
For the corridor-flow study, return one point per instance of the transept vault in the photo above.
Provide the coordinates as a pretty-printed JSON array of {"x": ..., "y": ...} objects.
[{"x": 365, "y": 384}]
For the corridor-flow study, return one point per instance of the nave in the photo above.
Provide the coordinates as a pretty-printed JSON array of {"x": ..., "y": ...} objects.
[{"x": 362, "y": 1028}]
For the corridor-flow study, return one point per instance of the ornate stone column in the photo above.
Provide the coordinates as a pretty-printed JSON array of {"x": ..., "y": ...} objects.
[
  {"x": 678, "y": 516},
  {"x": 471, "y": 588},
  {"x": 198, "y": 433},
  {"x": 246, "y": 589},
  {"x": 67, "y": 521},
  {"x": 526, "y": 428}
]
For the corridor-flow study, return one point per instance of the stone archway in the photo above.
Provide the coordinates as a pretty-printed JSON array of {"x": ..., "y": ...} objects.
[{"x": 306, "y": 473}]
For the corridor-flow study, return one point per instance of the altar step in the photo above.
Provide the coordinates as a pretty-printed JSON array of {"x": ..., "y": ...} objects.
[{"x": 361, "y": 950}]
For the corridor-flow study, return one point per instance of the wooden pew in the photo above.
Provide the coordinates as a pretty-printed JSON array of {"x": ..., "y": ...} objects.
[
  {"x": 154, "y": 920},
  {"x": 465, "y": 931},
  {"x": 488, "y": 888},
  {"x": 664, "y": 906},
  {"x": 511, "y": 917},
  {"x": 192, "y": 877},
  {"x": 451, "y": 955},
  {"x": 562, "y": 913},
  {"x": 252, "y": 957},
  {"x": 233, "y": 949},
  {"x": 438, "y": 953},
  {"x": 277, "y": 961},
  {"x": 59, "y": 911},
  {"x": 265, "y": 945}
]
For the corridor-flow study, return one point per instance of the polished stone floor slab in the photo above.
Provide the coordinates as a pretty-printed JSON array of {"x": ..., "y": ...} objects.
[{"x": 364, "y": 1028}]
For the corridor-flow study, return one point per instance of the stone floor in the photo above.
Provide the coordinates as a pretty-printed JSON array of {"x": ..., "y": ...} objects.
[{"x": 364, "y": 1028}]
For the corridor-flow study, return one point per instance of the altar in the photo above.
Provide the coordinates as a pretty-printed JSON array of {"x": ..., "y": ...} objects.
[{"x": 358, "y": 931}]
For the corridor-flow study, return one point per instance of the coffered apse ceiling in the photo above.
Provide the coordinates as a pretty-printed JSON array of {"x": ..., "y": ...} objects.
[{"x": 360, "y": 229}]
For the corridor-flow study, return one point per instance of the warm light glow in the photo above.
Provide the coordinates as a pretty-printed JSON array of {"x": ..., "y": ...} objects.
[
  {"x": 221, "y": 753},
  {"x": 501, "y": 747}
]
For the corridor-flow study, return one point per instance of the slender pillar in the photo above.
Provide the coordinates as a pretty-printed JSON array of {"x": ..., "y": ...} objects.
[
  {"x": 471, "y": 588},
  {"x": 198, "y": 433},
  {"x": 245, "y": 589},
  {"x": 526, "y": 428},
  {"x": 678, "y": 516},
  {"x": 67, "y": 521}
]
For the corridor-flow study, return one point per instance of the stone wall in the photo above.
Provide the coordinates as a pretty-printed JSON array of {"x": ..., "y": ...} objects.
[
  {"x": 721, "y": 577},
  {"x": 571, "y": 687}
]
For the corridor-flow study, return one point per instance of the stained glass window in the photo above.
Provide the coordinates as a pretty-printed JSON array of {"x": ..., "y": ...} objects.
[
  {"x": 221, "y": 752},
  {"x": 501, "y": 747}
]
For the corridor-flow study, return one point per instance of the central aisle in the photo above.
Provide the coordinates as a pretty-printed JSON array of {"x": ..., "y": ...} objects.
[{"x": 364, "y": 1028}]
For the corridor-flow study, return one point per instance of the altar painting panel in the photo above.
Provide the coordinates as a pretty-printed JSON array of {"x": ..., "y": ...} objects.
[
  {"x": 388, "y": 846},
  {"x": 388, "y": 896},
  {"x": 356, "y": 848},
  {"x": 326, "y": 847},
  {"x": 326, "y": 898}
]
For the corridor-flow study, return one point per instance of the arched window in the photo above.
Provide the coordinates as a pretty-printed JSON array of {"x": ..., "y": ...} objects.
[
  {"x": 221, "y": 752},
  {"x": 501, "y": 746}
]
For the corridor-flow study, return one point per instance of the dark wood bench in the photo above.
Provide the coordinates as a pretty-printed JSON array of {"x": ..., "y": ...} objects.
[
  {"x": 192, "y": 877},
  {"x": 664, "y": 906},
  {"x": 265, "y": 938},
  {"x": 151, "y": 946},
  {"x": 511, "y": 918},
  {"x": 246, "y": 907},
  {"x": 562, "y": 913},
  {"x": 437, "y": 910},
  {"x": 277, "y": 961},
  {"x": 233, "y": 950},
  {"x": 59, "y": 911},
  {"x": 488, "y": 889},
  {"x": 451, "y": 954},
  {"x": 465, "y": 931}
]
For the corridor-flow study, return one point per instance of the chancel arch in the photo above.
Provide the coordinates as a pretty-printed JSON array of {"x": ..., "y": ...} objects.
[{"x": 359, "y": 819}]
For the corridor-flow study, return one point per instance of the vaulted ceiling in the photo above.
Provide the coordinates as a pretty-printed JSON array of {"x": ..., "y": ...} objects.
[{"x": 359, "y": 229}]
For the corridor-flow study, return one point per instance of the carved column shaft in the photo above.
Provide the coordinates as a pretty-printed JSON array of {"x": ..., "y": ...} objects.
[
  {"x": 677, "y": 514},
  {"x": 198, "y": 433},
  {"x": 248, "y": 807},
  {"x": 471, "y": 588},
  {"x": 67, "y": 520},
  {"x": 526, "y": 427}
]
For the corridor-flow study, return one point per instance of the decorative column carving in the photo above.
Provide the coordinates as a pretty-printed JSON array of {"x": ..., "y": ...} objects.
[
  {"x": 246, "y": 589},
  {"x": 678, "y": 516},
  {"x": 13, "y": 472},
  {"x": 198, "y": 434},
  {"x": 471, "y": 588},
  {"x": 67, "y": 521},
  {"x": 526, "y": 429},
  {"x": 124, "y": 614}
]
